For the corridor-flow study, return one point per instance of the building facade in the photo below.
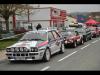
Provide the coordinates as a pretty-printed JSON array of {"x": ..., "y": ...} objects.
[{"x": 47, "y": 17}]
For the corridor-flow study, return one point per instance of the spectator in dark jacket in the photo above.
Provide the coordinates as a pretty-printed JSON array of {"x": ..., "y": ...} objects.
[{"x": 38, "y": 26}]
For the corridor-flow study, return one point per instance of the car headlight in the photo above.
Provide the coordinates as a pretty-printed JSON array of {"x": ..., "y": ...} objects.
[
  {"x": 12, "y": 49},
  {"x": 25, "y": 49},
  {"x": 8, "y": 49},
  {"x": 71, "y": 40},
  {"x": 21, "y": 49},
  {"x": 64, "y": 38},
  {"x": 16, "y": 49},
  {"x": 33, "y": 49}
]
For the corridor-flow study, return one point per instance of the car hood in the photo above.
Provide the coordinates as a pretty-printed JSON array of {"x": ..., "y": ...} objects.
[{"x": 29, "y": 44}]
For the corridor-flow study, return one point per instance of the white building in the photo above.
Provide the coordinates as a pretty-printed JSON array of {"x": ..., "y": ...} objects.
[{"x": 47, "y": 17}]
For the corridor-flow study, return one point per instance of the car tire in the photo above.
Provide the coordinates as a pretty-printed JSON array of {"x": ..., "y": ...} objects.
[
  {"x": 82, "y": 42},
  {"x": 62, "y": 49},
  {"x": 95, "y": 36},
  {"x": 47, "y": 55},
  {"x": 85, "y": 39},
  {"x": 12, "y": 61},
  {"x": 90, "y": 38},
  {"x": 65, "y": 45},
  {"x": 74, "y": 44},
  {"x": 99, "y": 34}
]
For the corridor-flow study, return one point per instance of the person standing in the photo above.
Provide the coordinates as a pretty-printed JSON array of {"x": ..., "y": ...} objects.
[{"x": 38, "y": 26}]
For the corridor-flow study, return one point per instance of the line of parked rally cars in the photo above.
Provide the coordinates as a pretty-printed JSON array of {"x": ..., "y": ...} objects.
[
  {"x": 42, "y": 44},
  {"x": 79, "y": 33}
]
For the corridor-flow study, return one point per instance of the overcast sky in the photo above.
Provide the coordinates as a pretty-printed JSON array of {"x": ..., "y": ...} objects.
[{"x": 75, "y": 7}]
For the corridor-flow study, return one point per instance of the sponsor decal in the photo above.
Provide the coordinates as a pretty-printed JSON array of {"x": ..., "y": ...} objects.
[
  {"x": 43, "y": 43},
  {"x": 33, "y": 44},
  {"x": 25, "y": 44}
]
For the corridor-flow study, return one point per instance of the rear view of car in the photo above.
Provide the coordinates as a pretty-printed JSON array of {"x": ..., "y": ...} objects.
[
  {"x": 98, "y": 26},
  {"x": 94, "y": 31}
]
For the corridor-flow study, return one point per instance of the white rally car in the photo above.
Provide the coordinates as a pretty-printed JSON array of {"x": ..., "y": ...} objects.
[{"x": 36, "y": 45}]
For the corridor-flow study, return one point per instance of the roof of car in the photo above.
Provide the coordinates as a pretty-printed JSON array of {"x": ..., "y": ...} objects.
[
  {"x": 76, "y": 23},
  {"x": 42, "y": 30}
]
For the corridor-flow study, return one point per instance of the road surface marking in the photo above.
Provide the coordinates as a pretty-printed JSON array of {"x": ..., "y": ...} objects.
[
  {"x": 66, "y": 56},
  {"x": 45, "y": 68},
  {"x": 95, "y": 41},
  {"x": 85, "y": 46}
]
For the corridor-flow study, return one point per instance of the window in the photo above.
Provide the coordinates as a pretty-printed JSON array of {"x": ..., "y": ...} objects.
[
  {"x": 38, "y": 36},
  {"x": 56, "y": 35},
  {"x": 50, "y": 36}
]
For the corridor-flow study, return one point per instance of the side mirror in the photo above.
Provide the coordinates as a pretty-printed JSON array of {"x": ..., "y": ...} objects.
[{"x": 49, "y": 39}]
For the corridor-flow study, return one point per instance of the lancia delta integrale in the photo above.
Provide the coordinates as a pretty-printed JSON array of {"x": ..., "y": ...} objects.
[{"x": 36, "y": 45}]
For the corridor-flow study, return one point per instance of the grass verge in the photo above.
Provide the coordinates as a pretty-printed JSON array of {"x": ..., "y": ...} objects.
[{"x": 8, "y": 42}]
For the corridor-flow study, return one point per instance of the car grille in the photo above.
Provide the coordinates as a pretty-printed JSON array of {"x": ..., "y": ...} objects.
[{"x": 18, "y": 49}]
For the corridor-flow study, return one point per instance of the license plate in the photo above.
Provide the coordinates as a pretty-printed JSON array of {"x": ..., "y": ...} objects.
[{"x": 20, "y": 58}]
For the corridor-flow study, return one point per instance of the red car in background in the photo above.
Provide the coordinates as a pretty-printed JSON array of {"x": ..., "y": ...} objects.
[
  {"x": 72, "y": 38},
  {"x": 95, "y": 31},
  {"x": 98, "y": 26}
]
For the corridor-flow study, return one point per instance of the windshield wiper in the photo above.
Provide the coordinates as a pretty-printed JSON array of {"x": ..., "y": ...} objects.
[
  {"x": 37, "y": 39},
  {"x": 24, "y": 39}
]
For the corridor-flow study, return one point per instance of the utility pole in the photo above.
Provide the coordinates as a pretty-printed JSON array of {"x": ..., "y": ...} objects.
[
  {"x": 14, "y": 21},
  {"x": 28, "y": 15}
]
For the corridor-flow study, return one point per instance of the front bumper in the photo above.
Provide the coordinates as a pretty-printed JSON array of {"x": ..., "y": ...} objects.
[
  {"x": 25, "y": 55},
  {"x": 68, "y": 43}
]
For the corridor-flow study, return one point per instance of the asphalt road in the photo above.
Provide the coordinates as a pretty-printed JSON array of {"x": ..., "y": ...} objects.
[{"x": 84, "y": 57}]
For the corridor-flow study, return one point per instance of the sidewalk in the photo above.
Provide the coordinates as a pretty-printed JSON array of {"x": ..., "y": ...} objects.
[{"x": 2, "y": 55}]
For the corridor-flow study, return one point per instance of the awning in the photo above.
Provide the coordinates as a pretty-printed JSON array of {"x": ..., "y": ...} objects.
[{"x": 91, "y": 21}]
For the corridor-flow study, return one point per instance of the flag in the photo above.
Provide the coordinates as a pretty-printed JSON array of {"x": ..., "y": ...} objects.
[{"x": 81, "y": 18}]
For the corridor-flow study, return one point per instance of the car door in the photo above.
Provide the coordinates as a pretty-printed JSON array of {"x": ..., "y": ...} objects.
[
  {"x": 52, "y": 42},
  {"x": 57, "y": 41}
]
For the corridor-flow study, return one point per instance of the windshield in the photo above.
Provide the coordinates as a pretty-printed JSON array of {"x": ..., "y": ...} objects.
[
  {"x": 68, "y": 34},
  {"x": 79, "y": 26},
  {"x": 92, "y": 29},
  {"x": 37, "y": 36}
]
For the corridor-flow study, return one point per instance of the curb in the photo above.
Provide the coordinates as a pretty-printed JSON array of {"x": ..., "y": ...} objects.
[{"x": 2, "y": 61}]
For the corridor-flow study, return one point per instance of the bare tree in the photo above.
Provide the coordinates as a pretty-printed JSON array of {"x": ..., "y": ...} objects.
[{"x": 7, "y": 10}]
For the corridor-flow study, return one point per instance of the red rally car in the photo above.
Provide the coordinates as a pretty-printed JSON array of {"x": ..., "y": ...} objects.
[
  {"x": 95, "y": 31},
  {"x": 72, "y": 38}
]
